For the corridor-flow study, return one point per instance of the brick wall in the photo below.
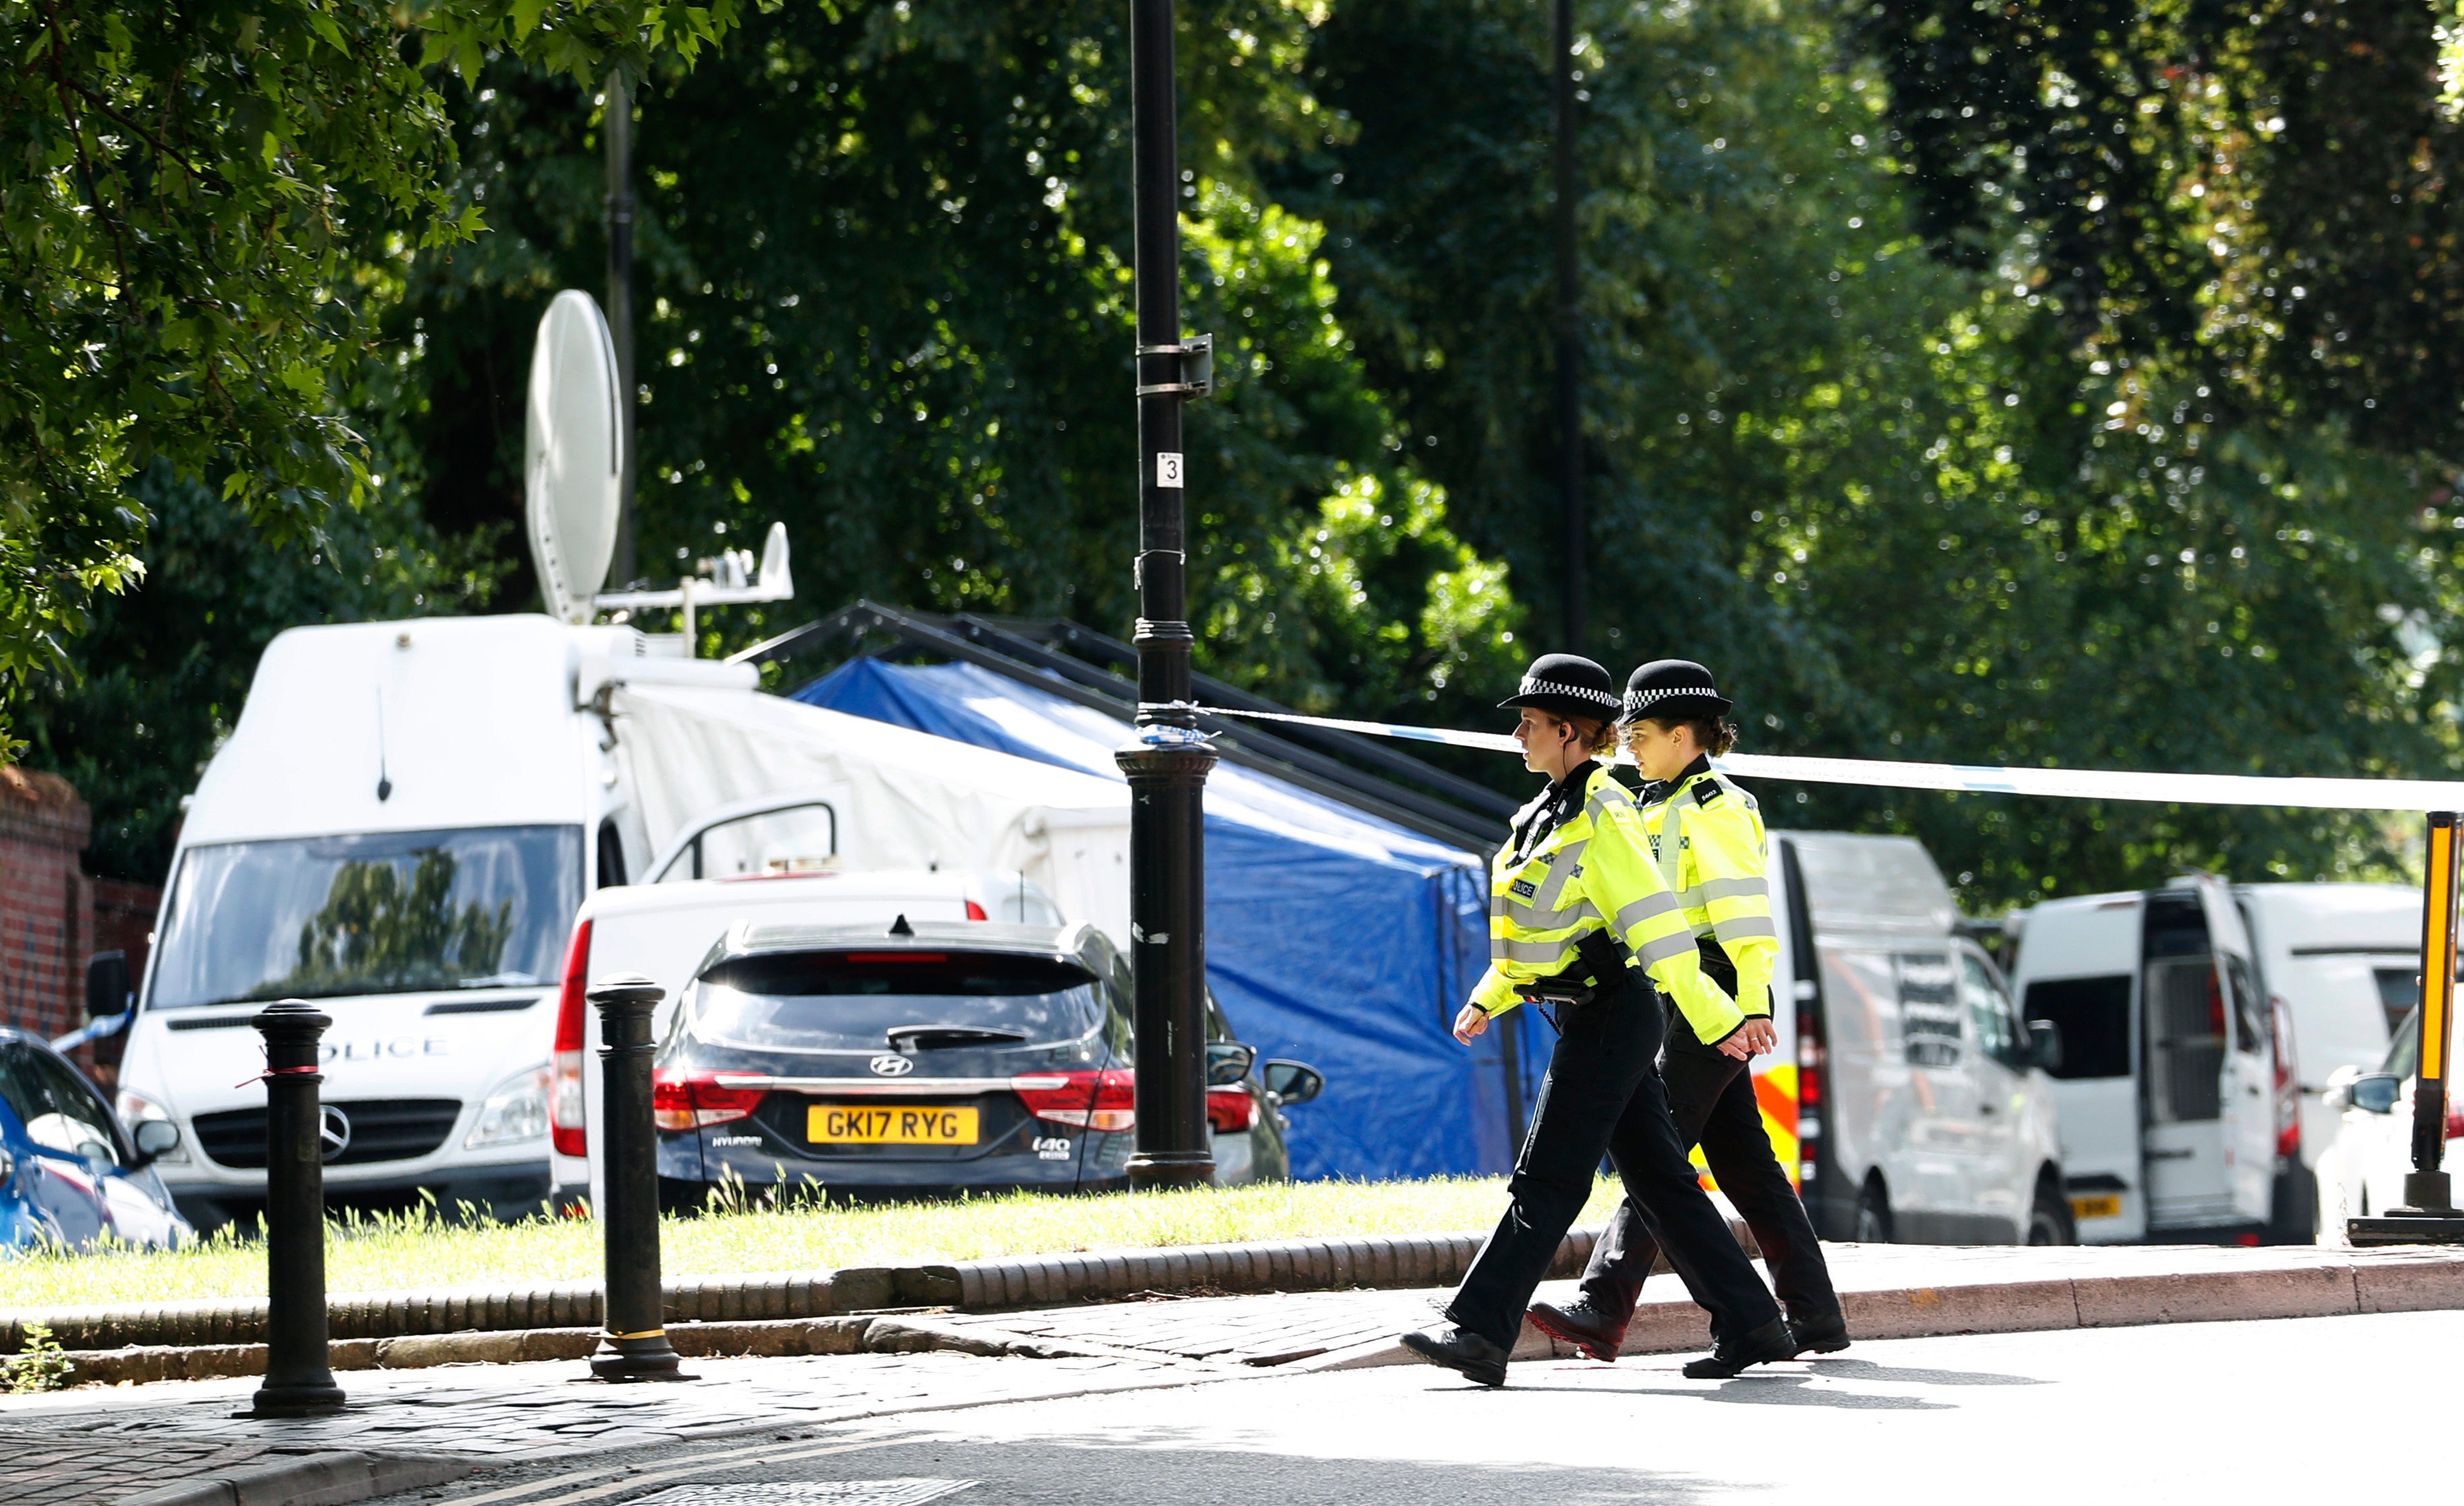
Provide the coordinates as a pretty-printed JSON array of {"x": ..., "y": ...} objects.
[
  {"x": 46, "y": 903},
  {"x": 123, "y": 921}
]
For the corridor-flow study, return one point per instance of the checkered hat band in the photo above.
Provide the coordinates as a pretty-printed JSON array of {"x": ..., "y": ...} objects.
[
  {"x": 1638, "y": 702},
  {"x": 1535, "y": 686}
]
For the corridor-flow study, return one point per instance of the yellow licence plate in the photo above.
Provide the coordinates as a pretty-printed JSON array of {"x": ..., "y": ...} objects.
[
  {"x": 889, "y": 1124},
  {"x": 2096, "y": 1208}
]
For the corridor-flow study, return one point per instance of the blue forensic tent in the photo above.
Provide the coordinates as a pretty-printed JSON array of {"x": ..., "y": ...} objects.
[{"x": 1334, "y": 937}]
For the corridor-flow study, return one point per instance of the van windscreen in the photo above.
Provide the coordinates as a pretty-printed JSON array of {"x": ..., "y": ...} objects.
[
  {"x": 2094, "y": 1017},
  {"x": 867, "y": 1002},
  {"x": 391, "y": 913}
]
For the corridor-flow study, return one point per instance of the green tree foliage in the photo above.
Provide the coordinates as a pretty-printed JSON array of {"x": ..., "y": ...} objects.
[
  {"x": 1910, "y": 505},
  {"x": 2259, "y": 193},
  {"x": 184, "y": 193},
  {"x": 885, "y": 299},
  {"x": 162, "y": 671}
]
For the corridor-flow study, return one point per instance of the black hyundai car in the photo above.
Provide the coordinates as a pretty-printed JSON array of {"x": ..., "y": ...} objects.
[{"x": 926, "y": 1058}]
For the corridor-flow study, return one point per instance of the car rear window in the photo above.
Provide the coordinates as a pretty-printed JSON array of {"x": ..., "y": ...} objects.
[
  {"x": 2094, "y": 1016},
  {"x": 919, "y": 1000}
]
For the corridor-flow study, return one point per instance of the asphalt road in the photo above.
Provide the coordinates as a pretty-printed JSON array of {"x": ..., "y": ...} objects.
[{"x": 2305, "y": 1409}]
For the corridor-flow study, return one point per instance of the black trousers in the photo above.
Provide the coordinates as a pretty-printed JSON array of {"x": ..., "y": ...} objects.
[
  {"x": 1603, "y": 1095},
  {"x": 1711, "y": 1097}
]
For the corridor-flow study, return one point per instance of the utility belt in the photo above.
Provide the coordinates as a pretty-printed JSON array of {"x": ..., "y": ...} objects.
[
  {"x": 1599, "y": 968},
  {"x": 1716, "y": 965}
]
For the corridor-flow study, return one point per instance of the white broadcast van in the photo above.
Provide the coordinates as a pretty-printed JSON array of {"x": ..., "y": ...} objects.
[
  {"x": 399, "y": 830},
  {"x": 1907, "y": 1091},
  {"x": 2180, "y": 1108}
]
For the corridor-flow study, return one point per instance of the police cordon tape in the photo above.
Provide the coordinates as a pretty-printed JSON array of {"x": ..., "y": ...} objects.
[{"x": 2076, "y": 784}]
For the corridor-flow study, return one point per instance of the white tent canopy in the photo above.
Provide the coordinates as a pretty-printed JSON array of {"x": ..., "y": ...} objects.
[{"x": 906, "y": 799}]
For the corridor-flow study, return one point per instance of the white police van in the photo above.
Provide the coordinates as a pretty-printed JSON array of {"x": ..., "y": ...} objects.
[{"x": 399, "y": 830}]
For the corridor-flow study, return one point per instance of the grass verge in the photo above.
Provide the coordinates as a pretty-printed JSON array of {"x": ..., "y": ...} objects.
[{"x": 416, "y": 1252}]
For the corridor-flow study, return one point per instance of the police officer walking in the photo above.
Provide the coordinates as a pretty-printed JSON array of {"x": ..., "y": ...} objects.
[
  {"x": 1707, "y": 844},
  {"x": 1580, "y": 916}
]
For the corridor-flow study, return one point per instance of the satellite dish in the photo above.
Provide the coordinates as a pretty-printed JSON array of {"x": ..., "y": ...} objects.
[{"x": 574, "y": 457}]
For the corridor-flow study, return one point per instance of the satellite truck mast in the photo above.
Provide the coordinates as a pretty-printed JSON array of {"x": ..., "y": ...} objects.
[{"x": 576, "y": 455}]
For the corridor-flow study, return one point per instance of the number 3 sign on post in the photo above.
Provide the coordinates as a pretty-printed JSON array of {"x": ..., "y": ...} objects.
[{"x": 1167, "y": 468}]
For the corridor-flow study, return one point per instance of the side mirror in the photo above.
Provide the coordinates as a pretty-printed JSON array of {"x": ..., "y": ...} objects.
[
  {"x": 155, "y": 1137},
  {"x": 2045, "y": 1044},
  {"x": 1228, "y": 1062},
  {"x": 1293, "y": 1082},
  {"x": 106, "y": 984},
  {"x": 2376, "y": 1092},
  {"x": 2337, "y": 1094}
]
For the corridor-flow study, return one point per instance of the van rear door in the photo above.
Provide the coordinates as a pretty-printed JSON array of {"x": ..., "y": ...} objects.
[
  {"x": 2204, "y": 1048},
  {"x": 2247, "y": 1077}
]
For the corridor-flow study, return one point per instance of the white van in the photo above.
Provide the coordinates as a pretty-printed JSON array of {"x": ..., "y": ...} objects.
[
  {"x": 2346, "y": 958},
  {"x": 2176, "y": 1119},
  {"x": 1912, "y": 1102},
  {"x": 398, "y": 829}
]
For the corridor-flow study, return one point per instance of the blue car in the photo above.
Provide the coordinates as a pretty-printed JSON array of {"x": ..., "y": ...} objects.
[{"x": 69, "y": 1173}]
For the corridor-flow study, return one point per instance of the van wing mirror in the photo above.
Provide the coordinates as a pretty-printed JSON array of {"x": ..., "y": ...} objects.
[
  {"x": 2045, "y": 1044},
  {"x": 106, "y": 984},
  {"x": 1293, "y": 1082},
  {"x": 155, "y": 1139},
  {"x": 1228, "y": 1062},
  {"x": 2376, "y": 1092}
]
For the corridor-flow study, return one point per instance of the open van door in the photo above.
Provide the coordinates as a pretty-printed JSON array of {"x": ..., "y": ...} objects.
[
  {"x": 2210, "y": 1138},
  {"x": 2080, "y": 968},
  {"x": 2246, "y": 1085}
]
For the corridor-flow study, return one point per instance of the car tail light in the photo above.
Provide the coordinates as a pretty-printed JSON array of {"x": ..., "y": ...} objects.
[
  {"x": 976, "y": 911},
  {"x": 1107, "y": 1101},
  {"x": 2288, "y": 1085},
  {"x": 691, "y": 1100},
  {"x": 567, "y": 1118},
  {"x": 1809, "y": 1065},
  {"x": 1231, "y": 1109}
]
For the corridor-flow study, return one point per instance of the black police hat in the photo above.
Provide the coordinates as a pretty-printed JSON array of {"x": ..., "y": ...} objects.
[
  {"x": 1567, "y": 684},
  {"x": 1673, "y": 688}
]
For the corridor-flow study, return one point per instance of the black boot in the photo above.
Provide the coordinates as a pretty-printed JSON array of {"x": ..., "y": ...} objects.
[
  {"x": 1581, "y": 1324},
  {"x": 1819, "y": 1333},
  {"x": 1730, "y": 1356},
  {"x": 1479, "y": 1359}
]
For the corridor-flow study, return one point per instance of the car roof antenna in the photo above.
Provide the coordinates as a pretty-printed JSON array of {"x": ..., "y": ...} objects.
[{"x": 900, "y": 928}]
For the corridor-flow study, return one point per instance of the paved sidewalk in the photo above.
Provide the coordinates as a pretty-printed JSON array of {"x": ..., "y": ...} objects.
[{"x": 72, "y": 1448}]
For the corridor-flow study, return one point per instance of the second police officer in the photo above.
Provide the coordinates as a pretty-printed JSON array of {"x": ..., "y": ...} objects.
[
  {"x": 1579, "y": 915},
  {"x": 1707, "y": 842}
]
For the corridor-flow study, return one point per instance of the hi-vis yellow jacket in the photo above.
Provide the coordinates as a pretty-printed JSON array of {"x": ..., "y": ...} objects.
[
  {"x": 1706, "y": 839},
  {"x": 1592, "y": 872}
]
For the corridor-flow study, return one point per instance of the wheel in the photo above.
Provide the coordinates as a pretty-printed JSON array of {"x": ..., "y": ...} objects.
[
  {"x": 1874, "y": 1214},
  {"x": 2049, "y": 1217}
]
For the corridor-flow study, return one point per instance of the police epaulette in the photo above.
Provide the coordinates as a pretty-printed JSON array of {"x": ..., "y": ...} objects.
[{"x": 1706, "y": 792}]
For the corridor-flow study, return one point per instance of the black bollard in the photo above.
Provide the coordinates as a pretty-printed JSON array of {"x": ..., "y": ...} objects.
[
  {"x": 635, "y": 1345},
  {"x": 298, "y": 1383}
]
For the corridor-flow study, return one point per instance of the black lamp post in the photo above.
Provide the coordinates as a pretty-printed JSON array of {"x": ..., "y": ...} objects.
[
  {"x": 616, "y": 124},
  {"x": 1168, "y": 764}
]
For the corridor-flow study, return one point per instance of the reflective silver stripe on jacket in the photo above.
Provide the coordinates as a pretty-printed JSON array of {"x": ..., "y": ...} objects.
[
  {"x": 1538, "y": 953},
  {"x": 1574, "y": 914},
  {"x": 1652, "y": 953},
  {"x": 1569, "y": 862},
  {"x": 1643, "y": 910},
  {"x": 1743, "y": 930},
  {"x": 1709, "y": 890}
]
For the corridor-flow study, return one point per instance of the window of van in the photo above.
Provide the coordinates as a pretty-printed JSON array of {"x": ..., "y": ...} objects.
[
  {"x": 1929, "y": 1007},
  {"x": 388, "y": 912},
  {"x": 2094, "y": 1017},
  {"x": 1988, "y": 1014}
]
